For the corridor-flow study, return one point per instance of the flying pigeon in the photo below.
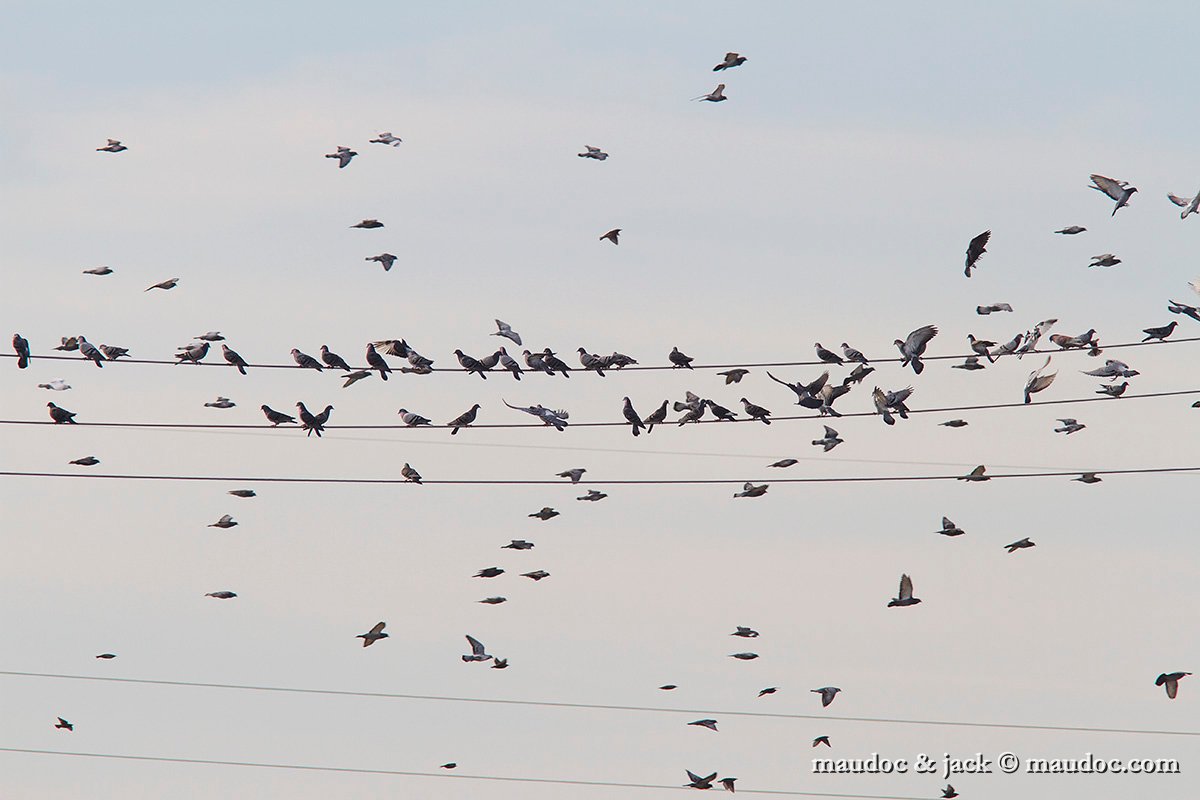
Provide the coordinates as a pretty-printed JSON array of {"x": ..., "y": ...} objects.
[
  {"x": 221, "y": 402},
  {"x": 386, "y": 138},
  {"x": 975, "y": 475},
  {"x": 276, "y": 417},
  {"x": 954, "y": 423},
  {"x": 412, "y": 420},
  {"x": 728, "y": 784},
  {"x": 477, "y": 650},
  {"x": 1190, "y": 205},
  {"x": 949, "y": 792},
  {"x": 1072, "y": 230},
  {"x": 546, "y": 513},
  {"x": 744, "y": 656},
  {"x": 1120, "y": 191},
  {"x": 731, "y": 60},
  {"x": 592, "y": 496},
  {"x": 57, "y": 385},
  {"x": 856, "y": 375},
  {"x": 1151, "y": 333},
  {"x": 86, "y": 461},
  {"x": 905, "y": 597},
  {"x": 448, "y": 765},
  {"x": 715, "y": 96},
  {"x": 950, "y": 529},
  {"x": 1113, "y": 369},
  {"x": 1069, "y": 426},
  {"x": 612, "y": 235},
  {"x": 696, "y": 782},
  {"x": 593, "y": 152},
  {"x": 222, "y": 595},
  {"x": 1170, "y": 681},
  {"x": 632, "y": 417},
  {"x": 976, "y": 249},
  {"x": 784, "y": 463},
  {"x": 62, "y": 723},
  {"x": 211, "y": 336},
  {"x": 21, "y": 346},
  {"x": 536, "y": 575},
  {"x": 192, "y": 352},
  {"x": 517, "y": 544},
  {"x": 711, "y": 724},
  {"x": 107, "y": 656},
  {"x": 489, "y": 572},
  {"x": 167, "y": 284},
  {"x": 233, "y": 358},
  {"x": 61, "y": 415},
  {"x": 1114, "y": 391},
  {"x": 574, "y": 474},
  {"x": 750, "y": 490},
  {"x": 225, "y": 521},
  {"x": 992, "y": 308},
  {"x": 767, "y": 691},
  {"x": 1183, "y": 308},
  {"x": 243, "y": 492},
  {"x": 409, "y": 474},
  {"x": 827, "y": 694},
  {"x": 343, "y": 155},
  {"x": 98, "y": 271},
  {"x": 113, "y": 146},
  {"x": 736, "y": 375},
  {"x": 1020, "y": 544},
  {"x": 668, "y": 687},
  {"x": 333, "y": 360},
  {"x": 384, "y": 259},
  {"x": 499, "y": 663},
  {"x": 745, "y": 632},
  {"x": 375, "y": 634},
  {"x": 493, "y": 601},
  {"x": 505, "y": 330},
  {"x": 1037, "y": 381},
  {"x": 913, "y": 347},
  {"x": 1104, "y": 260},
  {"x": 821, "y": 740},
  {"x": 827, "y": 356},
  {"x": 463, "y": 420}
]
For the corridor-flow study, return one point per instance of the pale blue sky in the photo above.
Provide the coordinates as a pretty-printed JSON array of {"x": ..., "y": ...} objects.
[{"x": 830, "y": 198}]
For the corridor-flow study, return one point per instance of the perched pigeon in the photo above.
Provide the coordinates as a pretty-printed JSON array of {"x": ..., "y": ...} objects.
[
  {"x": 612, "y": 236},
  {"x": 750, "y": 490},
  {"x": 592, "y": 496},
  {"x": 86, "y": 461},
  {"x": 731, "y": 60},
  {"x": 830, "y": 440},
  {"x": 593, "y": 152},
  {"x": 21, "y": 346},
  {"x": 827, "y": 694},
  {"x": 221, "y": 402},
  {"x": 234, "y": 359},
  {"x": 975, "y": 475},
  {"x": 1120, "y": 191},
  {"x": 745, "y": 632},
  {"x": 721, "y": 412},
  {"x": 574, "y": 474},
  {"x": 411, "y": 419},
  {"x": 545, "y": 513},
  {"x": 756, "y": 412},
  {"x": 478, "y": 653},
  {"x": 976, "y": 249},
  {"x": 224, "y": 522},
  {"x": 853, "y": 355},
  {"x": 905, "y": 597},
  {"x": 99, "y": 271},
  {"x": 734, "y": 375},
  {"x": 243, "y": 492},
  {"x": 62, "y": 723},
  {"x": 375, "y": 361},
  {"x": 1170, "y": 681},
  {"x": 167, "y": 284},
  {"x": 913, "y": 347},
  {"x": 992, "y": 308},
  {"x": 57, "y": 385},
  {"x": 632, "y": 417},
  {"x": 656, "y": 416},
  {"x": 1190, "y": 205},
  {"x": 1151, "y": 333},
  {"x": 471, "y": 365},
  {"x": 536, "y": 362},
  {"x": 1064, "y": 342},
  {"x": 536, "y": 575},
  {"x": 827, "y": 356},
  {"x": 333, "y": 360},
  {"x": 554, "y": 363},
  {"x": 61, "y": 415},
  {"x": 1088, "y": 477},
  {"x": 980, "y": 347},
  {"x": 375, "y": 634},
  {"x": 1114, "y": 391},
  {"x": 222, "y": 595},
  {"x": 368, "y": 224},
  {"x": 463, "y": 420},
  {"x": 592, "y": 362},
  {"x": 306, "y": 361},
  {"x": 308, "y": 421},
  {"x": 1069, "y": 426},
  {"x": 1072, "y": 230},
  {"x": 112, "y": 352},
  {"x": 386, "y": 138},
  {"x": 192, "y": 352},
  {"x": 711, "y": 724},
  {"x": 950, "y": 529},
  {"x": 409, "y": 474},
  {"x": 1104, "y": 260},
  {"x": 509, "y": 363},
  {"x": 276, "y": 417},
  {"x": 343, "y": 155},
  {"x": 717, "y": 95},
  {"x": 784, "y": 463},
  {"x": 113, "y": 146}
]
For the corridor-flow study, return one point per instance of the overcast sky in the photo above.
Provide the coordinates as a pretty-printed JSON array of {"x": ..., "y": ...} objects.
[{"x": 830, "y": 199}]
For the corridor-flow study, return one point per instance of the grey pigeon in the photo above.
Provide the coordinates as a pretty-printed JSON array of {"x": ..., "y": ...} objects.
[
  {"x": 1037, "y": 381},
  {"x": 478, "y": 653},
  {"x": 574, "y": 474},
  {"x": 756, "y": 412},
  {"x": 734, "y": 375},
  {"x": 992, "y": 308},
  {"x": 827, "y": 694},
  {"x": 827, "y": 356},
  {"x": 913, "y": 346},
  {"x": 90, "y": 351},
  {"x": 1072, "y": 230},
  {"x": 505, "y": 330},
  {"x": 711, "y": 724},
  {"x": 62, "y": 723},
  {"x": 750, "y": 490},
  {"x": 489, "y": 572},
  {"x": 593, "y": 152},
  {"x": 409, "y": 474},
  {"x": 517, "y": 544},
  {"x": 554, "y": 363},
  {"x": 233, "y": 358},
  {"x": 211, "y": 336},
  {"x": 536, "y": 362},
  {"x": 493, "y": 601},
  {"x": 731, "y": 60},
  {"x": 343, "y": 155},
  {"x": 980, "y": 347},
  {"x": 470, "y": 364},
  {"x": 356, "y": 376},
  {"x": 1113, "y": 369},
  {"x": 632, "y": 417},
  {"x": 384, "y": 259},
  {"x": 276, "y": 417},
  {"x": 463, "y": 420},
  {"x": 976, "y": 475},
  {"x": 821, "y": 740},
  {"x": 745, "y": 632},
  {"x": 721, "y": 412},
  {"x": 1170, "y": 682},
  {"x": 368, "y": 224},
  {"x": 107, "y": 656},
  {"x": 386, "y": 138},
  {"x": 830, "y": 440},
  {"x": 1064, "y": 342},
  {"x": 905, "y": 597},
  {"x": 612, "y": 236},
  {"x": 243, "y": 492},
  {"x": 221, "y": 402},
  {"x": 592, "y": 361},
  {"x": 1104, "y": 260},
  {"x": 744, "y": 656},
  {"x": 971, "y": 363},
  {"x": 57, "y": 385},
  {"x": 306, "y": 361},
  {"x": 224, "y": 522},
  {"x": 881, "y": 406},
  {"x": 1088, "y": 477},
  {"x": 509, "y": 363},
  {"x": 308, "y": 421},
  {"x": 717, "y": 95},
  {"x": 954, "y": 423},
  {"x": 86, "y": 461},
  {"x": 536, "y": 575},
  {"x": 1034, "y": 336},
  {"x": 853, "y": 355},
  {"x": 61, "y": 415},
  {"x": 412, "y": 420},
  {"x": 1183, "y": 308},
  {"x": 975, "y": 250},
  {"x": 727, "y": 783},
  {"x": 167, "y": 284},
  {"x": 856, "y": 375},
  {"x": 950, "y": 529},
  {"x": 222, "y": 595},
  {"x": 1069, "y": 426},
  {"x": 618, "y": 360},
  {"x": 784, "y": 463},
  {"x": 545, "y": 513},
  {"x": 948, "y": 793},
  {"x": 768, "y": 690},
  {"x": 69, "y": 344},
  {"x": 375, "y": 361},
  {"x": 1190, "y": 205},
  {"x": 21, "y": 346},
  {"x": 697, "y": 782},
  {"x": 192, "y": 352},
  {"x": 1151, "y": 333},
  {"x": 1020, "y": 544},
  {"x": 333, "y": 360},
  {"x": 656, "y": 416},
  {"x": 1120, "y": 191},
  {"x": 374, "y": 635},
  {"x": 1114, "y": 391},
  {"x": 99, "y": 271},
  {"x": 678, "y": 359},
  {"x": 112, "y": 352},
  {"x": 1008, "y": 348},
  {"x": 113, "y": 146},
  {"x": 592, "y": 496}
]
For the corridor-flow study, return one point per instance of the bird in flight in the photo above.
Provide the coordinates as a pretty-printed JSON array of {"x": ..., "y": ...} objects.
[
  {"x": 715, "y": 96},
  {"x": 1170, "y": 682},
  {"x": 750, "y": 490},
  {"x": 343, "y": 155},
  {"x": 368, "y": 224},
  {"x": 1072, "y": 230},
  {"x": 950, "y": 529},
  {"x": 976, "y": 249},
  {"x": 1120, "y": 191},
  {"x": 593, "y": 152},
  {"x": 167, "y": 284},
  {"x": 1190, "y": 205},
  {"x": 731, "y": 60},
  {"x": 913, "y": 346},
  {"x": 113, "y": 146},
  {"x": 612, "y": 236},
  {"x": 386, "y": 138},
  {"x": 222, "y": 595},
  {"x": 86, "y": 461},
  {"x": 375, "y": 634},
  {"x": 478, "y": 653},
  {"x": 827, "y": 694},
  {"x": 386, "y": 259},
  {"x": 1020, "y": 544},
  {"x": 66, "y": 726},
  {"x": 905, "y": 597},
  {"x": 225, "y": 521},
  {"x": 734, "y": 375},
  {"x": 98, "y": 271}
]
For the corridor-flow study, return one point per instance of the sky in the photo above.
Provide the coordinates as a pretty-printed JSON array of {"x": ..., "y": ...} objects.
[{"x": 830, "y": 199}]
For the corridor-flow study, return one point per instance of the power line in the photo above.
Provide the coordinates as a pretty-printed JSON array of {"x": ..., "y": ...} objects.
[
  {"x": 413, "y": 774},
  {"x": 504, "y": 425},
  {"x": 598, "y": 706},
  {"x": 622, "y": 482},
  {"x": 631, "y": 368}
]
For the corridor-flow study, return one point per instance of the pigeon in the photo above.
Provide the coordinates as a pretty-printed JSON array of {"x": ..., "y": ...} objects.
[
  {"x": 499, "y": 663},
  {"x": 694, "y": 412},
  {"x": 1190, "y": 205},
  {"x": 536, "y": 575},
  {"x": 830, "y": 440},
  {"x": 343, "y": 155},
  {"x": 881, "y": 406},
  {"x": 574, "y": 474},
  {"x": 233, "y": 358},
  {"x": 69, "y": 344},
  {"x": 1151, "y": 333},
  {"x": 949, "y": 792},
  {"x": 612, "y": 236},
  {"x": 783, "y": 463},
  {"x": 1020, "y": 544},
  {"x": 21, "y": 346},
  {"x": 632, "y": 417},
  {"x": 980, "y": 346},
  {"x": 619, "y": 360},
  {"x": 333, "y": 360},
  {"x": 1113, "y": 369},
  {"x": 167, "y": 284},
  {"x": 913, "y": 347},
  {"x": 821, "y": 740},
  {"x": 308, "y": 421},
  {"x": 993, "y": 308},
  {"x": 323, "y": 417},
  {"x": 243, "y": 492},
  {"x": 744, "y": 656},
  {"x": 536, "y": 362},
  {"x": 192, "y": 352},
  {"x": 112, "y": 352},
  {"x": 678, "y": 359},
  {"x": 57, "y": 385},
  {"x": 222, "y": 595},
  {"x": 505, "y": 330},
  {"x": 61, "y": 415},
  {"x": 1072, "y": 230},
  {"x": 895, "y": 401},
  {"x": 224, "y": 522},
  {"x": 211, "y": 336},
  {"x": 856, "y": 375},
  {"x": 756, "y": 412},
  {"x": 1183, "y": 308},
  {"x": 852, "y": 354},
  {"x": 750, "y": 490},
  {"x": 734, "y": 375},
  {"x": 489, "y": 572},
  {"x": 509, "y": 363},
  {"x": 975, "y": 475},
  {"x": 728, "y": 784},
  {"x": 592, "y": 362},
  {"x": 1170, "y": 681},
  {"x": 905, "y": 597},
  {"x": 98, "y": 271},
  {"x": 1114, "y": 391},
  {"x": 548, "y": 416},
  {"x": 306, "y": 361},
  {"x": 592, "y": 496},
  {"x": 463, "y": 420},
  {"x": 950, "y": 529},
  {"x": 715, "y": 96},
  {"x": 386, "y": 138},
  {"x": 409, "y": 474},
  {"x": 1120, "y": 191},
  {"x": 62, "y": 723},
  {"x": 954, "y": 423},
  {"x": 276, "y": 417},
  {"x": 107, "y": 656},
  {"x": 546, "y": 513},
  {"x": 411, "y": 419},
  {"x": 86, "y": 461},
  {"x": 656, "y": 416},
  {"x": 745, "y": 632},
  {"x": 1104, "y": 260},
  {"x": 470, "y": 364},
  {"x": 368, "y": 224},
  {"x": 477, "y": 651},
  {"x": 1069, "y": 426},
  {"x": 554, "y": 363},
  {"x": 976, "y": 249},
  {"x": 827, "y": 694},
  {"x": 375, "y": 634},
  {"x": 711, "y": 724},
  {"x": 448, "y": 765},
  {"x": 593, "y": 152},
  {"x": 767, "y": 691},
  {"x": 517, "y": 544},
  {"x": 385, "y": 259},
  {"x": 493, "y": 601},
  {"x": 668, "y": 687},
  {"x": 1064, "y": 342},
  {"x": 721, "y": 412},
  {"x": 1037, "y": 381},
  {"x": 827, "y": 356},
  {"x": 221, "y": 402},
  {"x": 696, "y": 782},
  {"x": 1088, "y": 477},
  {"x": 731, "y": 60},
  {"x": 375, "y": 361}
]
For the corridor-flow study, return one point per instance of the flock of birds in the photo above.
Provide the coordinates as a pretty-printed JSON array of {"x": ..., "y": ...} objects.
[{"x": 820, "y": 394}]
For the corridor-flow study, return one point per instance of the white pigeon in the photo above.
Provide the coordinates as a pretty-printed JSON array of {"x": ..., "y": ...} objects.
[
  {"x": 1189, "y": 206},
  {"x": 57, "y": 385},
  {"x": 386, "y": 138},
  {"x": 1037, "y": 381},
  {"x": 507, "y": 332},
  {"x": 113, "y": 146},
  {"x": 211, "y": 336},
  {"x": 715, "y": 96}
]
